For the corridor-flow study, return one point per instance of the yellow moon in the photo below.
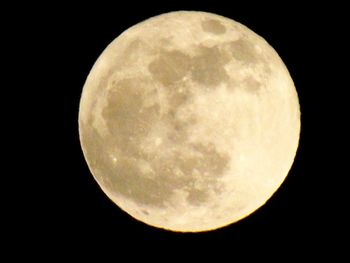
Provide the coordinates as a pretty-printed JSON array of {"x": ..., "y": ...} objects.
[{"x": 189, "y": 121}]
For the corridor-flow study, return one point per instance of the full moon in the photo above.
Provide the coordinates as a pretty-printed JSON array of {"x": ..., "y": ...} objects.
[{"x": 189, "y": 121}]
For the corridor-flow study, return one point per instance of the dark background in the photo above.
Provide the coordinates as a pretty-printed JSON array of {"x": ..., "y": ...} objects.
[{"x": 65, "y": 209}]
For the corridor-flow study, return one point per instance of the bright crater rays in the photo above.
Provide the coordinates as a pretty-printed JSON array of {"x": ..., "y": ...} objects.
[{"x": 189, "y": 121}]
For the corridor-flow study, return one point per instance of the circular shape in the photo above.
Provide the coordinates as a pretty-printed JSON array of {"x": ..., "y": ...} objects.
[{"x": 189, "y": 121}]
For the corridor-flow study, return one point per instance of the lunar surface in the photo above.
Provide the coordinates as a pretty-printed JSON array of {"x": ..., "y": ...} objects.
[{"x": 189, "y": 121}]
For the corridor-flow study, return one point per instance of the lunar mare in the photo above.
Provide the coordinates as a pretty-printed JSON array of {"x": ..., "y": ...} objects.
[{"x": 189, "y": 121}]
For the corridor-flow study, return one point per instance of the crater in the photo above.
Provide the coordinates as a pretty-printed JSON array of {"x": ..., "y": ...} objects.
[
  {"x": 130, "y": 55},
  {"x": 169, "y": 67},
  {"x": 177, "y": 117},
  {"x": 208, "y": 66},
  {"x": 213, "y": 163},
  {"x": 252, "y": 85},
  {"x": 145, "y": 212},
  {"x": 213, "y": 26},
  {"x": 178, "y": 133},
  {"x": 267, "y": 69},
  {"x": 196, "y": 197},
  {"x": 179, "y": 96},
  {"x": 131, "y": 51},
  {"x": 244, "y": 51}
]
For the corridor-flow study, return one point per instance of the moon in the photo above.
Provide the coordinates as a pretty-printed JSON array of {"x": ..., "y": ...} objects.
[{"x": 189, "y": 121}]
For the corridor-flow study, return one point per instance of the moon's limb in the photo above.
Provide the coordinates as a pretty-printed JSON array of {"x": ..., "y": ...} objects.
[{"x": 189, "y": 121}]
